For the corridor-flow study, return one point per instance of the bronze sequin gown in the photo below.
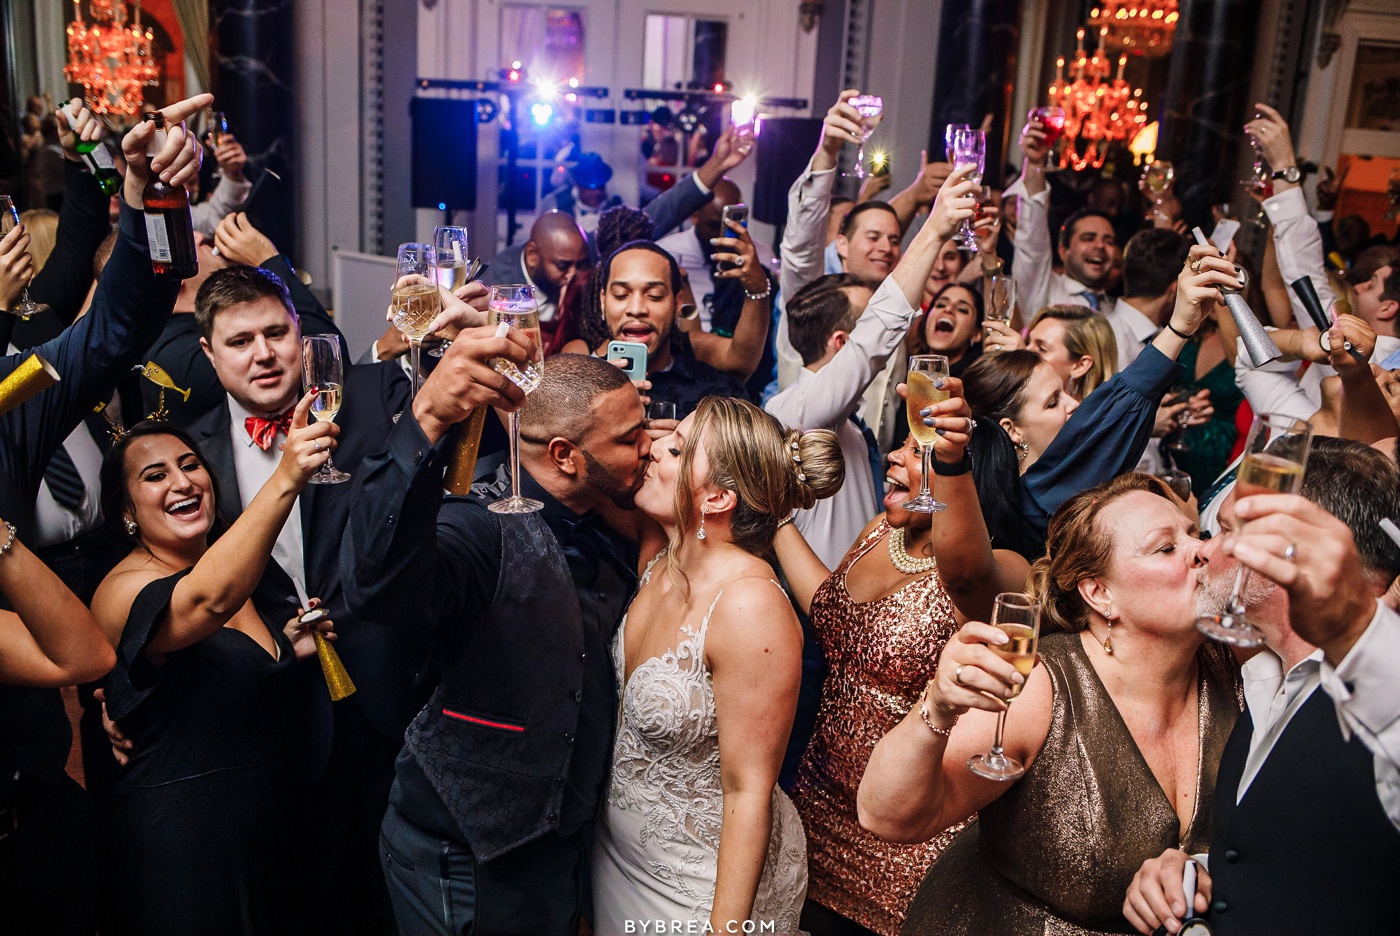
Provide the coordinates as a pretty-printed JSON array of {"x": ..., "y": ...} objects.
[
  {"x": 880, "y": 655},
  {"x": 1056, "y": 852}
]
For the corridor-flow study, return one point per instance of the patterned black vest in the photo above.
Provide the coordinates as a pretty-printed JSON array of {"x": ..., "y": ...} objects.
[
  {"x": 496, "y": 738},
  {"x": 1309, "y": 850}
]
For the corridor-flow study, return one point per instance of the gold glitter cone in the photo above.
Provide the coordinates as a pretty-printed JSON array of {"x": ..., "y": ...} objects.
[
  {"x": 463, "y": 467},
  {"x": 337, "y": 679},
  {"x": 33, "y": 375}
]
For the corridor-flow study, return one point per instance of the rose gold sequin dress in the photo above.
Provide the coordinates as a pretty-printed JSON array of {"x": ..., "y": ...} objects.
[{"x": 880, "y": 655}]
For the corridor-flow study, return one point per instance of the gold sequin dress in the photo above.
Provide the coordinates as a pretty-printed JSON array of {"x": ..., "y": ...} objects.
[{"x": 880, "y": 655}]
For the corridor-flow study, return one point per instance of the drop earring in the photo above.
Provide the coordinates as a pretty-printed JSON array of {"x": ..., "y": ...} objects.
[
  {"x": 1108, "y": 639},
  {"x": 701, "y": 534},
  {"x": 130, "y": 526},
  {"x": 1022, "y": 450}
]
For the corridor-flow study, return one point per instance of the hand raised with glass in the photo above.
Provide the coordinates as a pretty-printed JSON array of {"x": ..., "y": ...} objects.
[
  {"x": 464, "y": 379},
  {"x": 956, "y": 202},
  {"x": 842, "y": 124},
  {"x": 950, "y": 418},
  {"x": 971, "y": 675},
  {"x": 308, "y": 446}
]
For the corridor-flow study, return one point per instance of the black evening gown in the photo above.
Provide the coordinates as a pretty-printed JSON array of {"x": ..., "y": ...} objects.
[{"x": 191, "y": 839}]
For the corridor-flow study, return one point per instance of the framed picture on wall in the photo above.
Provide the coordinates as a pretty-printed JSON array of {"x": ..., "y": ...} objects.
[{"x": 1374, "y": 103}]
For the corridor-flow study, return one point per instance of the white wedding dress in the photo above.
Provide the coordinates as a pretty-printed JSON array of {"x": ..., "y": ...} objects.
[{"x": 657, "y": 845}]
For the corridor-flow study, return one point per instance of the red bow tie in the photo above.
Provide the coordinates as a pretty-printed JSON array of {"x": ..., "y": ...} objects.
[{"x": 264, "y": 431}]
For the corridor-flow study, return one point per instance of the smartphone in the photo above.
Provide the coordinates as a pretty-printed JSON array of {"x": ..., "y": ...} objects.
[
  {"x": 1224, "y": 234},
  {"x": 632, "y": 352},
  {"x": 742, "y": 111},
  {"x": 739, "y": 214}
]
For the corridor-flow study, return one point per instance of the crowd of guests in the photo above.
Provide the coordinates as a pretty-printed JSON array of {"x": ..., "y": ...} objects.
[{"x": 726, "y": 679}]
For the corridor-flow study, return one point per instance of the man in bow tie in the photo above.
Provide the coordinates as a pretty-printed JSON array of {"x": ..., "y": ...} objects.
[{"x": 251, "y": 334}]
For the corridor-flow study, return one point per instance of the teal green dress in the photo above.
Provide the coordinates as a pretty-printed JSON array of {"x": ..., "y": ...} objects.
[{"x": 1211, "y": 442}]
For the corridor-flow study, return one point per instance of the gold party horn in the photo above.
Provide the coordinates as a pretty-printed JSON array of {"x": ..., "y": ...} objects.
[
  {"x": 463, "y": 467},
  {"x": 338, "y": 681},
  {"x": 33, "y": 375}
]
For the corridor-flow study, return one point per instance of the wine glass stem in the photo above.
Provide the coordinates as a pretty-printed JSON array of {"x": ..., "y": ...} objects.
[
  {"x": 860, "y": 160},
  {"x": 997, "y": 751},
  {"x": 926, "y": 457},
  {"x": 515, "y": 454},
  {"x": 1237, "y": 593},
  {"x": 414, "y": 348}
]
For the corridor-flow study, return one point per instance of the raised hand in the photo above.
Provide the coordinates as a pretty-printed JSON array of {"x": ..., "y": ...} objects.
[
  {"x": 463, "y": 309},
  {"x": 303, "y": 636},
  {"x": 930, "y": 179},
  {"x": 1197, "y": 287},
  {"x": 1271, "y": 132},
  {"x": 239, "y": 242},
  {"x": 464, "y": 379},
  {"x": 841, "y": 125},
  {"x": 231, "y": 158},
  {"x": 308, "y": 446},
  {"x": 740, "y": 253},
  {"x": 731, "y": 148},
  {"x": 950, "y": 418},
  {"x": 970, "y": 675},
  {"x": 16, "y": 265},
  {"x": 83, "y": 126},
  {"x": 177, "y": 162},
  {"x": 956, "y": 200}
]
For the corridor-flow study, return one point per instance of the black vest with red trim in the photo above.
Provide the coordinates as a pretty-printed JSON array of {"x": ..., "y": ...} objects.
[{"x": 497, "y": 737}]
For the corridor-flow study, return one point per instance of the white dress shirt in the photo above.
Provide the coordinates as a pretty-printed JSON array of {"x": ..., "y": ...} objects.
[
  {"x": 1276, "y": 386},
  {"x": 1132, "y": 329},
  {"x": 1273, "y": 698},
  {"x": 1365, "y": 688},
  {"x": 825, "y": 399},
  {"x": 1298, "y": 244},
  {"x": 1037, "y": 283},
  {"x": 253, "y": 467},
  {"x": 228, "y": 196},
  {"x": 56, "y": 523},
  {"x": 802, "y": 255}
]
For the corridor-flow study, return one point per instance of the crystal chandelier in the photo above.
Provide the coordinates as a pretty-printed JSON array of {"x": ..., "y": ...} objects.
[
  {"x": 1099, "y": 110},
  {"x": 109, "y": 58},
  {"x": 1137, "y": 27}
]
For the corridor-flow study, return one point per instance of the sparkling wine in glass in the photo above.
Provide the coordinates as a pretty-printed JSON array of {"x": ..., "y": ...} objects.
[
  {"x": 218, "y": 129},
  {"x": 514, "y": 306},
  {"x": 924, "y": 384},
  {"x": 322, "y": 371},
  {"x": 969, "y": 148},
  {"x": 1018, "y": 617},
  {"x": 948, "y": 134},
  {"x": 452, "y": 263},
  {"x": 416, "y": 301},
  {"x": 1157, "y": 180},
  {"x": 1051, "y": 119},
  {"x": 869, "y": 106},
  {"x": 9, "y": 220},
  {"x": 1001, "y": 299},
  {"x": 1274, "y": 455}
]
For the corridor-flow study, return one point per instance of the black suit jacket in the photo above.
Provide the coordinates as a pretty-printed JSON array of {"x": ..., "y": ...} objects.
[
  {"x": 504, "y": 269},
  {"x": 377, "y": 658}
]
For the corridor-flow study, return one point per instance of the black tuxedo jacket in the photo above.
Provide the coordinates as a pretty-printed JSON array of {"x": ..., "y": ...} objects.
[{"x": 378, "y": 659}]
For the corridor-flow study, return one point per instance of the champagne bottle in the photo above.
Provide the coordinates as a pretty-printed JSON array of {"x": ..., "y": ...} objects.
[
  {"x": 94, "y": 153},
  {"x": 169, "y": 230}
]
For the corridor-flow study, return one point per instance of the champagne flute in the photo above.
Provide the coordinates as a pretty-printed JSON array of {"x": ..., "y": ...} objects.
[
  {"x": 969, "y": 148},
  {"x": 948, "y": 134},
  {"x": 514, "y": 305},
  {"x": 1182, "y": 420},
  {"x": 1001, "y": 300},
  {"x": 924, "y": 387},
  {"x": 452, "y": 262},
  {"x": 416, "y": 301},
  {"x": 1018, "y": 617},
  {"x": 322, "y": 371},
  {"x": 1156, "y": 181},
  {"x": 9, "y": 220},
  {"x": 1051, "y": 119},
  {"x": 869, "y": 106},
  {"x": 217, "y": 130},
  {"x": 1274, "y": 455}
]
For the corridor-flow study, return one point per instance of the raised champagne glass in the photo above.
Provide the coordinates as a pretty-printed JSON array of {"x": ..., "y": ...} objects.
[
  {"x": 416, "y": 300},
  {"x": 217, "y": 130},
  {"x": 1156, "y": 182},
  {"x": 870, "y": 107},
  {"x": 924, "y": 387},
  {"x": 322, "y": 371},
  {"x": 1051, "y": 118},
  {"x": 452, "y": 263},
  {"x": 1001, "y": 300},
  {"x": 949, "y": 133},
  {"x": 1018, "y": 617},
  {"x": 9, "y": 220},
  {"x": 514, "y": 305},
  {"x": 969, "y": 148},
  {"x": 1274, "y": 455}
]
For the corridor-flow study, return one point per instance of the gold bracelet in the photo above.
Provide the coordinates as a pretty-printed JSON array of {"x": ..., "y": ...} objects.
[
  {"x": 944, "y": 733},
  {"x": 784, "y": 522}
]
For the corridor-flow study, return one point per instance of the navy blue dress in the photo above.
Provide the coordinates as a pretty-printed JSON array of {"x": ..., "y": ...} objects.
[{"x": 190, "y": 844}]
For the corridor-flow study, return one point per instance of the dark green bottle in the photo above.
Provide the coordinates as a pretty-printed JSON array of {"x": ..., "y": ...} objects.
[{"x": 98, "y": 160}]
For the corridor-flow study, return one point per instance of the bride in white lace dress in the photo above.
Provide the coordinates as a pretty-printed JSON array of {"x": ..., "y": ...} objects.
[{"x": 695, "y": 831}]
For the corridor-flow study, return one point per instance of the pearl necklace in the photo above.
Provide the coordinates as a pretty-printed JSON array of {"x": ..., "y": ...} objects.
[{"x": 902, "y": 560}]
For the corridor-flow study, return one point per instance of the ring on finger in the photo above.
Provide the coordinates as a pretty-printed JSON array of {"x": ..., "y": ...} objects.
[
  {"x": 957, "y": 675},
  {"x": 971, "y": 425},
  {"x": 317, "y": 443},
  {"x": 1196, "y": 266},
  {"x": 1290, "y": 552}
]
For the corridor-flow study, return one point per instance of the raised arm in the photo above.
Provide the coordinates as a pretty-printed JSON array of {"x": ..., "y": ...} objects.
[
  {"x": 921, "y": 192},
  {"x": 809, "y": 199},
  {"x": 803, "y": 568},
  {"x": 1034, "y": 251},
  {"x": 669, "y": 209},
  {"x": 740, "y": 353},
  {"x": 754, "y": 651},
  {"x": 50, "y": 638}
]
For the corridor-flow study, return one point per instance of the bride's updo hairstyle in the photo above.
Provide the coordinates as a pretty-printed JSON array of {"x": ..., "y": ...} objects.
[{"x": 772, "y": 471}]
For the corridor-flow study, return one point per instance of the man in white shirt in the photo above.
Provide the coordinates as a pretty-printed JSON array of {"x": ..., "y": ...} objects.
[
  {"x": 1086, "y": 248},
  {"x": 1340, "y": 564},
  {"x": 846, "y": 335},
  {"x": 1152, "y": 260}
]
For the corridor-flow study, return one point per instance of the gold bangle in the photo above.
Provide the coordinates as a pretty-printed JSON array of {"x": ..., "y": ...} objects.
[{"x": 943, "y": 733}]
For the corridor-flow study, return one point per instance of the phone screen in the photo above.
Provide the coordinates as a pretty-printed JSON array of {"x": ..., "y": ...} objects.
[{"x": 1224, "y": 234}]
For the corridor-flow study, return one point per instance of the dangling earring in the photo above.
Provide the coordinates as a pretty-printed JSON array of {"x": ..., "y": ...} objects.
[
  {"x": 1108, "y": 639},
  {"x": 130, "y": 526},
  {"x": 703, "y": 514},
  {"x": 1023, "y": 449}
]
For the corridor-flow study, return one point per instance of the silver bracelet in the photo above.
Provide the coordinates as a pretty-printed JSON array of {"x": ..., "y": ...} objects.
[
  {"x": 10, "y": 541},
  {"x": 767, "y": 291}
]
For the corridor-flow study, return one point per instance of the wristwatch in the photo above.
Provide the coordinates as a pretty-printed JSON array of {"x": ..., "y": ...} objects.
[{"x": 1289, "y": 174}]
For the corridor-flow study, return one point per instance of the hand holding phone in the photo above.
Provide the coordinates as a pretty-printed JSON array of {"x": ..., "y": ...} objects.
[{"x": 634, "y": 354}]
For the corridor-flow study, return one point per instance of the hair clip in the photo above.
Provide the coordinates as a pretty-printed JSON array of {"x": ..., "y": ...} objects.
[{"x": 801, "y": 476}]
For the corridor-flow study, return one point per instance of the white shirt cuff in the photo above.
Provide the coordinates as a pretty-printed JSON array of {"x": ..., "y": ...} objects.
[
  {"x": 700, "y": 184},
  {"x": 1322, "y": 217},
  {"x": 1287, "y": 205},
  {"x": 1366, "y": 685}
]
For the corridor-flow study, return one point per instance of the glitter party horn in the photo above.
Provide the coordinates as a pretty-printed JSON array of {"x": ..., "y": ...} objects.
[{"x": 33, "y": 375}]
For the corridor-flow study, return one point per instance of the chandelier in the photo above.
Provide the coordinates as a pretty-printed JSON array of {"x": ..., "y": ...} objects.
[
  {"x": 1137, "y": 27},
  {"x": 109, "y": 58},
  {"x": 1099, "y": 110}
]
